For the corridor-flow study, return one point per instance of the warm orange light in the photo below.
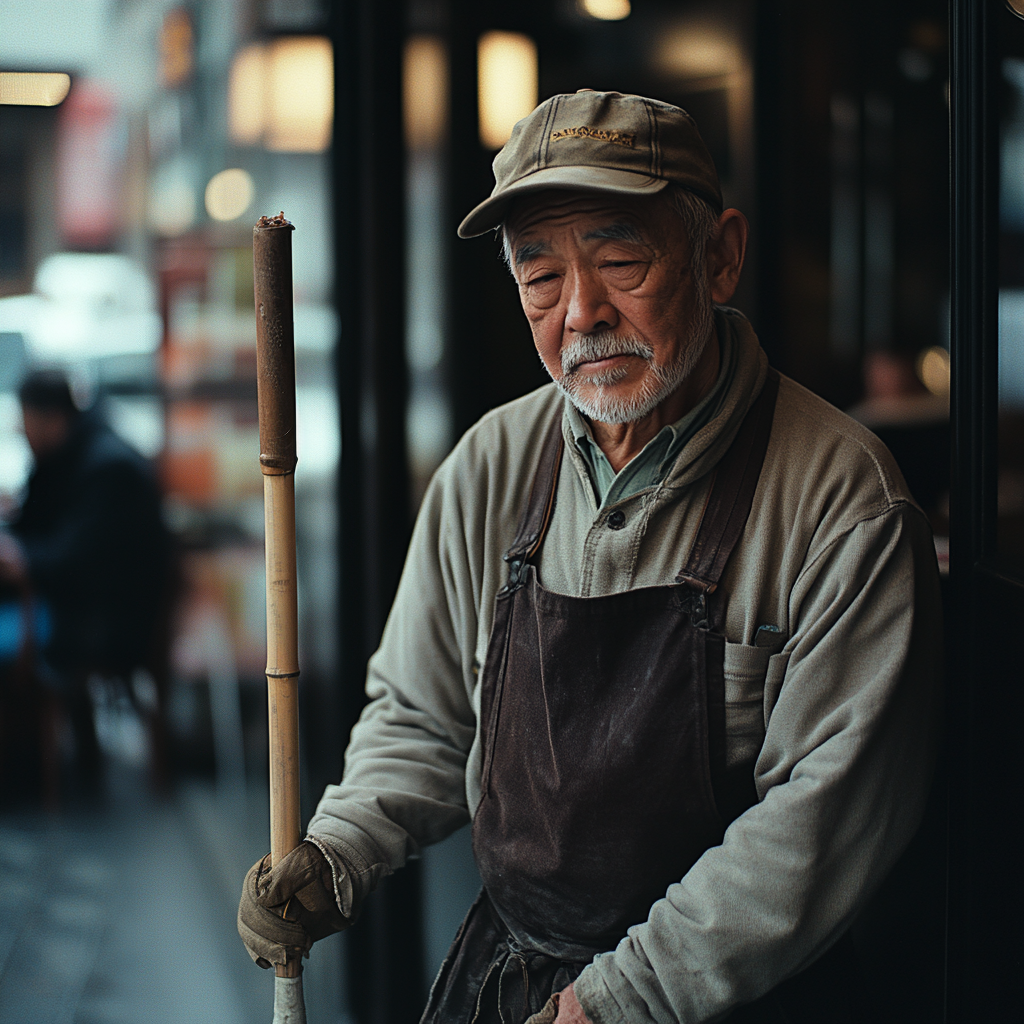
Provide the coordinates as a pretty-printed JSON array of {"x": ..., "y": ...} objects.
[
  {"x": 281, "y": 95},
  {"x": 247, "y": 87},
  {"x": 176, "y": 57},
  {"x": 424, "y": 91},
  {"x": 301, "y": 95},
  {"x": 933, "y": 369},
  {"x": 607, "y": 10},
  {"x": 506, "y": 84},
  {"x": 699, "y": 50}
]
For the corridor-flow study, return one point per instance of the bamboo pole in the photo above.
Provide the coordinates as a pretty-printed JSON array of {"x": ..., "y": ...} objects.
[{"x": 275, "y": 376}]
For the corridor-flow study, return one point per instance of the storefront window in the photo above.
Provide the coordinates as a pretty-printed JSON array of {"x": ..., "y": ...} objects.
[{"x": 1010, "y": 483}]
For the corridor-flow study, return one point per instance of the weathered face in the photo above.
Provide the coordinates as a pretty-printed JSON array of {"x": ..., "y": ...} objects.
[{"x": 607, "y": 286}]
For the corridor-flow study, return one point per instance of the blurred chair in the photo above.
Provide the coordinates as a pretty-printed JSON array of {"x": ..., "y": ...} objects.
[
  {"x": 26, "y": 734},
  {"x": 39, "y": 706}
]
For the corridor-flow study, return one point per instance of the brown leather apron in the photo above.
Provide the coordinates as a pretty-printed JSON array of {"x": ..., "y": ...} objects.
[{"x": 604, "y": 776}]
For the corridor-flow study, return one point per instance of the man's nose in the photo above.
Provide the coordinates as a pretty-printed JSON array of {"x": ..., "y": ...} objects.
[{"x": 589, "y": 308}]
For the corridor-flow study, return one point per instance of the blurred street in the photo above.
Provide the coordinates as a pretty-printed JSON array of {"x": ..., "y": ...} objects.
[{"x": 122, "y": 910}]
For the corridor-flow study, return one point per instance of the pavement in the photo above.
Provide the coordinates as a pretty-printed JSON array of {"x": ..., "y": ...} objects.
[{"x": 121, "y": 910}]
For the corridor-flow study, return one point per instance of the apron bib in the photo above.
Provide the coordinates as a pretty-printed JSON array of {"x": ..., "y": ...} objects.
[{"x": 604, "y": 776}]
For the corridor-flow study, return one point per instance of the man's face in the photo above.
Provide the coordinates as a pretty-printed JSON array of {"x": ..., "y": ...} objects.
[
  {"x": 45, "y": 430},
  {"x": 607, "y": 286}
]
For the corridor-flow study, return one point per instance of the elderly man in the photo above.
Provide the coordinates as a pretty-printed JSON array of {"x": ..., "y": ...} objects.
[{"x": 667, "y": 634}]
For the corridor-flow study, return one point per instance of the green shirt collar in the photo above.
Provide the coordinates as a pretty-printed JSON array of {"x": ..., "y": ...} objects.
[{"x": 649, "y": 466}]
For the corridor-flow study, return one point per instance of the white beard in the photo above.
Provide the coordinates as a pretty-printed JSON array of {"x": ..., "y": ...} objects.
[{"x": 592, "y": 394}]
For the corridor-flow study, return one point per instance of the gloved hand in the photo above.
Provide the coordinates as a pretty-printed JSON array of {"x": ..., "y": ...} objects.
[
  {"x": 284, "y": 910},
  {"x": 562, "y": 1008},
  {"x": 547, "y": 1013}
]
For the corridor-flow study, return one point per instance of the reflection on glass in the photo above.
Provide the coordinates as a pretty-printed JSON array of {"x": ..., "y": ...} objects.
[{"x": 1010, "y": 485}]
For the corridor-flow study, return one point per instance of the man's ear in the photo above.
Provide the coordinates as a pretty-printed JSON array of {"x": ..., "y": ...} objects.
[{"x": 726, "y": 250}]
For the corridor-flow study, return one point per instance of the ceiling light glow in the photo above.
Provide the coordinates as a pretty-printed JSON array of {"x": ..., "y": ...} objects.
[
  {"x": 606, "y": 10},
  {"x": 424, "y": 91},
  {"x": 506, "y": 84},
  {"x": 33, "y": 88}
]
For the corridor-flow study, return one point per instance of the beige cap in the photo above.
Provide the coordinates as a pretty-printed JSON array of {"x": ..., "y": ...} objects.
[{"x": 600, "y": 142}]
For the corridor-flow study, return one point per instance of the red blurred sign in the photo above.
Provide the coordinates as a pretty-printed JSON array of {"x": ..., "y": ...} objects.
[{"x": 91, "y": 146}]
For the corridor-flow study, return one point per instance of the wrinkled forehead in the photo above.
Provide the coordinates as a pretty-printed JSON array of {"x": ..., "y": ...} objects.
[
  {"x": 536, "y": 222},
  {"x": 559, "y": 208}
]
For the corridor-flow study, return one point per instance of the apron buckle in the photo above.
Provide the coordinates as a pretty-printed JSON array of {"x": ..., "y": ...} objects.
[
  {"x": 696, "y": 602},
  {"x": 516, "y": 574}
]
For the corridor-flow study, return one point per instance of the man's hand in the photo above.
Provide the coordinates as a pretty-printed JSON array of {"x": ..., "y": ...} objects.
[
  {"x": 562, "y": 1008},
  {"x": 569, "y": 1009},
  {"x": 284, "y": 910}
]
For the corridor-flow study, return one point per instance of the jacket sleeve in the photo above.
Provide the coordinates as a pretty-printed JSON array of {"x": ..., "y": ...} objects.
[
  {"x": 404, "y": 780},
  {"x": 87, "y": 533},
  {"x": 842, "y": 780}
]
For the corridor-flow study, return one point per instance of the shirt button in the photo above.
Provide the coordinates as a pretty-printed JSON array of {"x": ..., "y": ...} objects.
[{"x": 617, "y": 520}]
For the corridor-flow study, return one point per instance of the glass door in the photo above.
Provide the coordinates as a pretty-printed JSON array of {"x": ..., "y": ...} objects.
[{"x": 985, "y": 610}]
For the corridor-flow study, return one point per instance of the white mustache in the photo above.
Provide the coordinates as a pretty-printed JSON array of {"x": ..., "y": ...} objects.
[{"x": 588, "y": 348}]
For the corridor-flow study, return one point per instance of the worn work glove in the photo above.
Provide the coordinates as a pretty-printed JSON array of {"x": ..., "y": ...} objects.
[
  {"x": 562, "y": 1008},
  {"x": 547, "y": 1013},
  {"x": 284, "y": 910}
]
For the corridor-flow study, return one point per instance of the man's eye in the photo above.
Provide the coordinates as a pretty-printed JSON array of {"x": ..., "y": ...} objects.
[
  {"x": 543, "y": 290},
  {"x": 624, "y": 273}
]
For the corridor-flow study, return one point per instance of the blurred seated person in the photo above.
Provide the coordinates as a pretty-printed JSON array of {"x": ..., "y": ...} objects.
[
  {"x": 913, "y": 423},
  {"x": 90, "y": 545}
]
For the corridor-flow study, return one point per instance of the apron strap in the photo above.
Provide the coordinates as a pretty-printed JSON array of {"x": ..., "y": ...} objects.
[
  {"x": 725, "y": 513},
  {"x": 731, "y": 495},
  {"x": 539, "y": 506}
]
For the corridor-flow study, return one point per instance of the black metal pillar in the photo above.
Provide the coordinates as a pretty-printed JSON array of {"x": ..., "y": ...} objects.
[
  {"x": 386, "y": 958},
  {"x": 987, "y": 589}
]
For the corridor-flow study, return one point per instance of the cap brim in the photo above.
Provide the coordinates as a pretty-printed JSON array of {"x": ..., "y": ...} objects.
[{"x": 491, "y": 212}]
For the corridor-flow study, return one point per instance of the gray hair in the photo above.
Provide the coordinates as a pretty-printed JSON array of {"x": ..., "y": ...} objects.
[{"x": 698, "y": 217}]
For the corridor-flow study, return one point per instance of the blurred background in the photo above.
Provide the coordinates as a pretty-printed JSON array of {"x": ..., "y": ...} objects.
[{"x": 139, "y": 142}]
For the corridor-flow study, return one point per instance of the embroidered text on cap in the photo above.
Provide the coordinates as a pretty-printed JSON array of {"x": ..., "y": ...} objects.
[{"x": 601, "y": 134}]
